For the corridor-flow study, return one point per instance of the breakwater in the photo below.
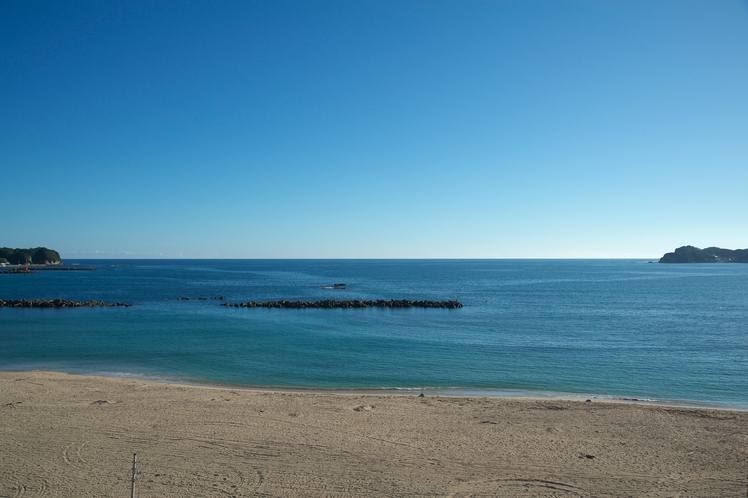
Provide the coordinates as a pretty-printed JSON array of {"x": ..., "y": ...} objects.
[
  {"x": 55, "y": 303},
  {"x": 35, "y": 269},
  {"x": 329, "y": 303},
  {"x": 63, "y": 268},
  {"x": 186, "y": 298}
]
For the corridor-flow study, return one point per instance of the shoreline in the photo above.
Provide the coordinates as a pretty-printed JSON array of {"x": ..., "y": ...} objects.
[
  {"x": 69, "y": 435},
  {"x": 453, "y": 392}
]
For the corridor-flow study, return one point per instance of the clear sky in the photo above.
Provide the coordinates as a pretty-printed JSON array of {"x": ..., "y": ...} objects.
[{"x": 373, "y": 129}]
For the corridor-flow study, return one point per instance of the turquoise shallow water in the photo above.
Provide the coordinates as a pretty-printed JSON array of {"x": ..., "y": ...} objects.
[{"x": 612, "y": 328}]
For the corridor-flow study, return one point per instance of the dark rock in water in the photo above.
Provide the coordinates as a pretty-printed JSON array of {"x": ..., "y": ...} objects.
[{"x": 691, "y": 254}]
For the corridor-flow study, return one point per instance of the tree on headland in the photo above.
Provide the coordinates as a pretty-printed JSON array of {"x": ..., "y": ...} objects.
[
  {"x": 44, "y": 256},
  {"x": 36, "y": 256}
]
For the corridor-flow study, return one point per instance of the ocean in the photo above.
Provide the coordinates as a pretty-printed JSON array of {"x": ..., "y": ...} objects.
[{"x": 603, "y": 329}]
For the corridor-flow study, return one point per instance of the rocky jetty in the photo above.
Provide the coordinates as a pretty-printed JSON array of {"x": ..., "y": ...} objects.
[
  {"x": 329, "y": 303},
  {"x": 36, "y": 269},
  {"x": 55, "y": 303},
  {"x": 64, "y": 268},
  {"x": 186, "y": 298},
  {"x": 691, "y": 254}
]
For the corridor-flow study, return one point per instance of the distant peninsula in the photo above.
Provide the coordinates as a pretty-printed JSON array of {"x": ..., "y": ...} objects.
[
  {"x": 691, "y": 254},
  {"x": 35, "y": 256}
]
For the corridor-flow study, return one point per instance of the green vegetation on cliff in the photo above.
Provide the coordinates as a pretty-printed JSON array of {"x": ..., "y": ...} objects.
[
  {"x": 691, "y": 254},
  {"x": 35, "y": 256}
]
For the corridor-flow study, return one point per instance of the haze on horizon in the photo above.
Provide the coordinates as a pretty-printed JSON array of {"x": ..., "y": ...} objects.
[{"x": 417, "y": 129}]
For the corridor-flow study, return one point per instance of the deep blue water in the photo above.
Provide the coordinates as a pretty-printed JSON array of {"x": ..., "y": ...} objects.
[{"x": 612, "y": 328}]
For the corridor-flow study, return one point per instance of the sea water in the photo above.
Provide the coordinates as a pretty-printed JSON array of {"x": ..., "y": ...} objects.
[{"x": 606, "y": 328}]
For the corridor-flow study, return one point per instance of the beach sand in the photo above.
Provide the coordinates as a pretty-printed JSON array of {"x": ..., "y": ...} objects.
[{"x": 64, "y": 436}]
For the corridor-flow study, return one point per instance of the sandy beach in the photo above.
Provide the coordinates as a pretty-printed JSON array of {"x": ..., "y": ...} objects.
[{"x": 64, "y": 435}]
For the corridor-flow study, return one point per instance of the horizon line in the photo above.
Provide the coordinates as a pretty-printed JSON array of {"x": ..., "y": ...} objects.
[{"x": 363, "y": 258}]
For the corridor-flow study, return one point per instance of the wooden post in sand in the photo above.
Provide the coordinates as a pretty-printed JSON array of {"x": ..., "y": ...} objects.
[{"x": 134, "y": 473}]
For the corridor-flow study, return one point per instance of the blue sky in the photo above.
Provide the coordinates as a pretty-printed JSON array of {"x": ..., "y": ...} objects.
[{"x": 373, "y": 129}]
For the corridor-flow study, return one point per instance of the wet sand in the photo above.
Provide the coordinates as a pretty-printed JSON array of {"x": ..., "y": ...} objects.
[{"x": 63, "y": 435}]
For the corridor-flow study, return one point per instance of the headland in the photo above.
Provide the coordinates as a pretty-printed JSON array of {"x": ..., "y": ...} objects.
[
  {"x": 691, "y": 254},
  {"x": 36, "y": 256}
]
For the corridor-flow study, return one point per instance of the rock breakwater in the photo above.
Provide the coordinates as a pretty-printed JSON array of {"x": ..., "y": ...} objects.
[
  {"x": 55, "y": 303},
  {"x": 36, "y": 269},
  {"x": 186, "y": 298},
  {"x": 64, "y": 268},
  {"x": 329, "y": 303}
]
